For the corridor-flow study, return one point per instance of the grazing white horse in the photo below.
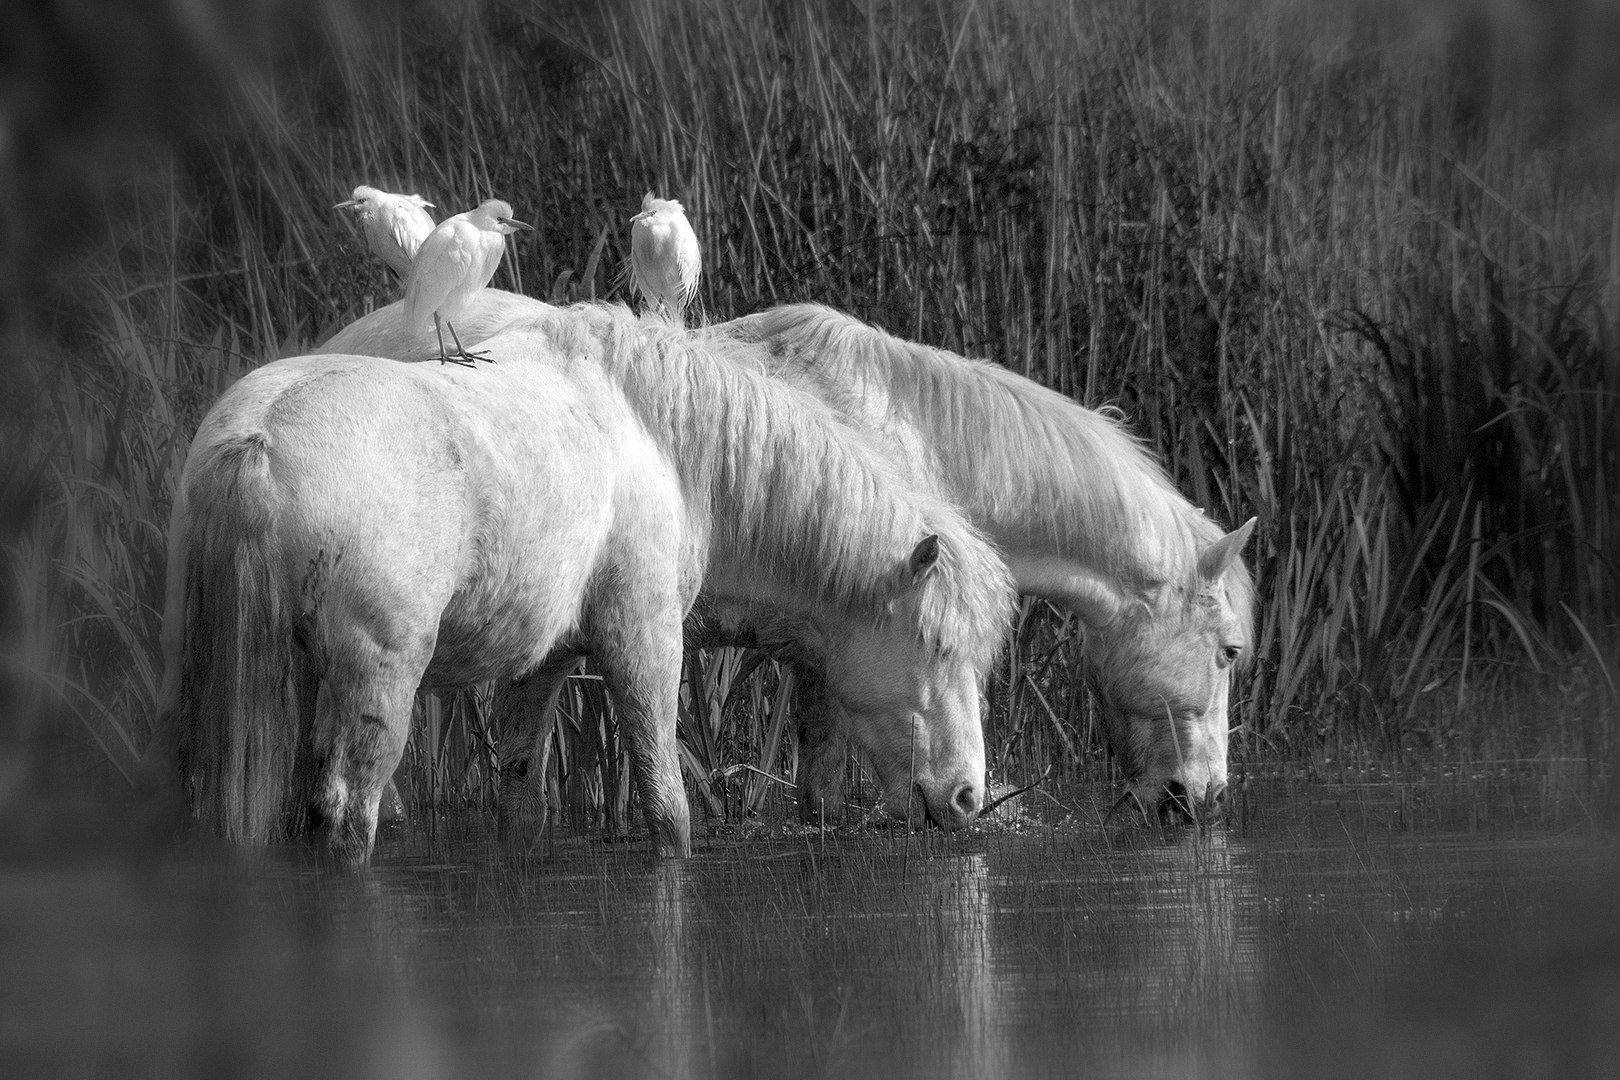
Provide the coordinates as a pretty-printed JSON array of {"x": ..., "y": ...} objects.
[
  {"x": 348, "y": 528},
  {"x": 1084, "y": 515}
]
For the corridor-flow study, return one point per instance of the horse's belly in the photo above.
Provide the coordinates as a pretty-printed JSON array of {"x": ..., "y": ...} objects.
[
  {"x": 501, "y": 626},
  {"x": 496, "y": 652}
]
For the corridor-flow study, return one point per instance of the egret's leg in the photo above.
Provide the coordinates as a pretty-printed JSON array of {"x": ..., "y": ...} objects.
[
  {"x": 439, "y": 329},
  {"x": 468, "y": 357}
]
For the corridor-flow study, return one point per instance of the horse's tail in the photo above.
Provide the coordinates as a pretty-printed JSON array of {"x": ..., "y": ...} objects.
[{"x": 236, "y": 731}]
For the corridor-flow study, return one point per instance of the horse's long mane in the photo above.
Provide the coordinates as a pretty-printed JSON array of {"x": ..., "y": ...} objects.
[
  {"x": 795, "y": 487},
  {"x": 1040, "y": 465}
]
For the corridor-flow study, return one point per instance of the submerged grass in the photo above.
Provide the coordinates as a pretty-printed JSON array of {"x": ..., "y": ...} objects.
[{"x": 1356, "y": 271}]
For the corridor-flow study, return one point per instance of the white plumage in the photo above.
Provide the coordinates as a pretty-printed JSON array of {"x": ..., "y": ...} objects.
[
  {"x": 395, "y": 225},
  {"x": 454, "y": 263},
  {"x": 665, "y": 263}
]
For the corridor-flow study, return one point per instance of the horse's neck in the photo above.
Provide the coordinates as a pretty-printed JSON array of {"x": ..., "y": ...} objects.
[
  {"x": 717, "y": 619},
  {"x": 1089, "y": 592},
  {"x": 1050, "y": 539}
]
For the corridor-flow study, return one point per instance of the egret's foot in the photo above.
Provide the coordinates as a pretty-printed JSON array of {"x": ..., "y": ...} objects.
[{"x": 463, "y": 359}]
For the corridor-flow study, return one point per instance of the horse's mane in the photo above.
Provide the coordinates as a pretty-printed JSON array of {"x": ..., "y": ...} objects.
[
  {"x": 1013, "y": 451},
  {"x": 795, "y": 487}
]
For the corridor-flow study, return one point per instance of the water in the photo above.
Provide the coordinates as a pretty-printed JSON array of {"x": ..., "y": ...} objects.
[{"x": 1464, "y": 927}]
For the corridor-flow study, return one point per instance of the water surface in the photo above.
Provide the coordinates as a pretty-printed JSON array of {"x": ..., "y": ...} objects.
[{"x": 1465, "y": 926}]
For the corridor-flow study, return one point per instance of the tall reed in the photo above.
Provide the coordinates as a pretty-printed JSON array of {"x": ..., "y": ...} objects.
[{"x": 1344, "y": 269}]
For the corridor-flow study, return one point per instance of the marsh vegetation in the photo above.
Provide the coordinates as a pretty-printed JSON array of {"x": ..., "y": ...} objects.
[{"x": 1355, "y": 271}]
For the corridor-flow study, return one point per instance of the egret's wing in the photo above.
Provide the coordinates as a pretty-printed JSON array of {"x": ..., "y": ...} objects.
[
  {"x": 643, "y": 260},
  {"x": 491, "y": 247},
  {"x": 689, "y": 263},
  {"x": 441, "y": 263},
  {"x": 409, "y": 225}
]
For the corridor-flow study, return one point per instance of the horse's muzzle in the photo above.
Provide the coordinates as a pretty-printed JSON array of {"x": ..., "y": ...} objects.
[
  {"x": 955, "y": 807},
  {"x": 1176, "y": 805}
]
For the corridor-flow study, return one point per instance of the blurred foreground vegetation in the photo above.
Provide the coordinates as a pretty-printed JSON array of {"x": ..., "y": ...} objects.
[{"x": 1354, "y": 270}]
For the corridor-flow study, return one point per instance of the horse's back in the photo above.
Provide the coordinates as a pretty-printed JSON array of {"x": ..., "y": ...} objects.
[
  {"x": 385, "y": 332},
  {"x": 414, "y": 500}
]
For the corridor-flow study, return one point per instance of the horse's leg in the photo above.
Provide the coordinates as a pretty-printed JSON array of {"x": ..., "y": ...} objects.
[
  {"x": 823, "y": 751},
  {"x": 391, "y": 807},
  {"x": 525, "y": 714},
  {"x": 362, "y": 719},
  {"x": 640, "y": 659}
]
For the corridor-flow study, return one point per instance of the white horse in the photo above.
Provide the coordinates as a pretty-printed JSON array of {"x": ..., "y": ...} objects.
[
  {"x": 1085, "y": 516},
  {"x": 348, "y": 528}
]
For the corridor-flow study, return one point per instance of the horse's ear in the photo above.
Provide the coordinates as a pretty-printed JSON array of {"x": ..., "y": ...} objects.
[
  {"x": 1219, "y": 556},
  {"x": 924, "y": 557}
]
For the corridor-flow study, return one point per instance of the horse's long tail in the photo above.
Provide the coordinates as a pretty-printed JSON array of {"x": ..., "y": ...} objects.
[{"x": 236, "y": 721}]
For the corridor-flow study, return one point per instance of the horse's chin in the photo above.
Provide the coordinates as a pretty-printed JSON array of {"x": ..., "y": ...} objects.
[
  {"x": 912, "y": 808},
  {"x": 903, "y": 803}
]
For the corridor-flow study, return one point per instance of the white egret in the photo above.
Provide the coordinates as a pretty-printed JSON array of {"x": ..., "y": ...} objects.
[
  {"x": 395, "y": 225},
  {"x": 454, "y": 263},
  {"x": 664, "y": 260}
]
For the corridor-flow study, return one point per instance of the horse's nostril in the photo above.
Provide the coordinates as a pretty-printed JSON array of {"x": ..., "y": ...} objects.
[
  {"x": 1176, "y": 805},
  {"x": 965, "y": 802}
]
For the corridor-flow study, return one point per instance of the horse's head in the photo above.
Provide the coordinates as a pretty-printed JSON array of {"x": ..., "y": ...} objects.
[
  {"x": 1162, "y": 659},
  {"x": 913, "y": 705}
]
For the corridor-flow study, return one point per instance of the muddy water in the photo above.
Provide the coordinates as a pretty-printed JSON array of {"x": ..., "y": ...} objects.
[{"x": 1442, "y": 929}]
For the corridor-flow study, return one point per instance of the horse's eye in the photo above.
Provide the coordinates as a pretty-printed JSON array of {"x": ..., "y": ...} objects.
[{"x": 1231, "y": 652}]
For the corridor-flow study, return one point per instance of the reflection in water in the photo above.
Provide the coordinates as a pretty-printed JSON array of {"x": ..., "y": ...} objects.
[
  {"x": 1205, "y": 968},
  {"x": 671, "y": 978},
  {"x": 962, "y": 896},
  {"x": 1020, "y": 952}
]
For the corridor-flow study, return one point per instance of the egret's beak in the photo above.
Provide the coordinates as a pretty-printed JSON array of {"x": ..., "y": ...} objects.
[
  {"x": 344, "y": 205},
  {"x": 515, "y": 223}
]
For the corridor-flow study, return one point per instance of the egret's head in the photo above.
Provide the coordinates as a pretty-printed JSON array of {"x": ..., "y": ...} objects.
[
  {"x": 652, "y": 206},
  {"x": 498, "y": 214},
  {"x": 361, "y": 201}
]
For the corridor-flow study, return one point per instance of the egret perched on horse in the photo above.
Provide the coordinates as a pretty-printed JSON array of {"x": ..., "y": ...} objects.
[
  {"x": 454, "y": 263},
  {"x": 665, "y": 263},
  {"x": 348, "y": 528},
  {"x": 395, "y": 225},
  {"x": 1084, "y": 514}
]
